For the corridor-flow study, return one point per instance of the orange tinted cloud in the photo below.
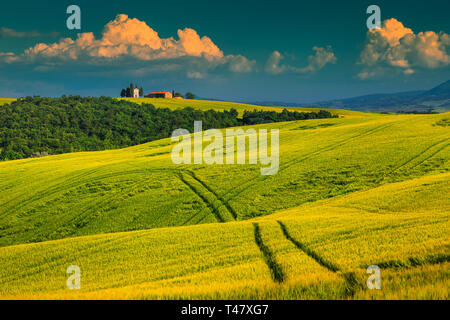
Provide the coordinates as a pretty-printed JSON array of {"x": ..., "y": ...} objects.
[
  {"x": 193, "y": 45},
  {"x": 395, "y": 46},
  {"x": 126, "y": 36}
]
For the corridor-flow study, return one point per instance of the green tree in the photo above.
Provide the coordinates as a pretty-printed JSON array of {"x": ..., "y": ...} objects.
[
  {"x": 190, "y": 95},
  {"x": 128, "y": 92},
  {"x": 123, "y": 93},
  {"x": 141, "y": 92},
  {"x": 177, "y": 94},
  {"x": 38, "y": 126}
]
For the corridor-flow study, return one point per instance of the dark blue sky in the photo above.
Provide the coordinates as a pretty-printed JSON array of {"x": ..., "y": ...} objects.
[{"x": 345, "y": 62}]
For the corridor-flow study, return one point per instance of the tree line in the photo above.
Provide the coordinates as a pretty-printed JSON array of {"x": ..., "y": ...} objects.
[
  {"x": 38, "y": 126},
  {"x": 257, "y": 117},
  {"x": 128, "y": 91}
]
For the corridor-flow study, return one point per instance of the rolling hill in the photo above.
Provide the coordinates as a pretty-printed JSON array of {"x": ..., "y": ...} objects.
[
  {"x": 205, "y": 105},
  {"x": 350, "y": 192},
  {"x": 6, "y": 100}
]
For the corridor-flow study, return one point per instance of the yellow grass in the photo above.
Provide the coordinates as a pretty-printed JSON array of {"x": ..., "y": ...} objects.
[
  {"x": 224, "y": 105},
  {"x": 350, "y": 192},
  {"x": 5, "y": 101}
]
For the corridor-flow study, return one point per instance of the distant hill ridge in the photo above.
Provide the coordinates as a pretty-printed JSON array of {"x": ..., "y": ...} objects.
[{"x": 434, "y": 100}]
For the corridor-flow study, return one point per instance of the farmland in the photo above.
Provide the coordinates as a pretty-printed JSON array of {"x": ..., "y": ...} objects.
[
  {"x": 5, "y": 100},
  {"x": 350, "y": 192},
  {"x": 205, "y": 105}
]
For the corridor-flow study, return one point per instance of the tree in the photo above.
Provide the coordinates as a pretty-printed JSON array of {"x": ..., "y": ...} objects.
[
  {"x": 128, "y": 92},
  {"x": 37, "y": 126},
  {"x": 131, "y": 89},
  {"x": 123, "y": 93},
  {"x": 190, "y": 95},
  {"x": 141, "y": 92},
  {"x": 177, "y": 94}
]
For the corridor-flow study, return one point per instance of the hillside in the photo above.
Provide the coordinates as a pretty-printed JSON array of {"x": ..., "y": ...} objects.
[
  {"x": 350, "y": 191},
  {"x": 41, "y": 126},
  {"x": 316, "y": 250},
  {"x": 439, "y": 92},
  {"x": 6, "y": 100},
  {"x": 205, "y": 105}
]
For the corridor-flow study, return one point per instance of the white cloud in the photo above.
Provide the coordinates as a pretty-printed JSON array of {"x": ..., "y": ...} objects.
[
  {"x": 239, "y": 63},
  {"x": 273, "y": 64},
  {"x": 317, "y": 61},
  {"x": 395, "y": 47}
]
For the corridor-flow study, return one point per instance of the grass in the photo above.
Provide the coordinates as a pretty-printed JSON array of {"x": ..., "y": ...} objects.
[
  {"x": 350, "y": 192},
  {"x": 6, "y": 100},
  {"x": 225, "y": 260},
  {"x": 205, "y": 105}
]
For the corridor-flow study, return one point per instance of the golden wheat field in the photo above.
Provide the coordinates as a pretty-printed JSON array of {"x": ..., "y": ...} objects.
[{"x": 359, "y": 190}]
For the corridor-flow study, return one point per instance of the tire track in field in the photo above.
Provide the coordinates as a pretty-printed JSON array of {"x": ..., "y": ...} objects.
[
  {"x": 432, "y": 155},
  {"x": 417, "y": 156},
  {"x": 196, "y": 215},
  {"x": 336, "y": 145},
  {"x": 94, "y": 247},
  {"x": 290, "y": 163},
  {"x": 74, "y": 181},
  {"x": 50, "y": 191},
  {"x": 64, "y": 185},
  {"x": 208, "y": 203},
  {"x": 413, "y": 262},
  {"x": 74, "y": 222},
  {"x": 275, "y": 269},
  {"x": 420, "y": 154},
  {"x": 61, "y": 187},
  {"x": 221, "y": 199},
  {"x": 349, "y": 277},
  {"x": 87, "y": 214}
]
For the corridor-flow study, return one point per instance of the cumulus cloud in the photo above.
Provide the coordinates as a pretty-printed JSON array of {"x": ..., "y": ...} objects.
[
  {"x": 11, "y": 33},
  {"x": 317, "y": 61},
  {"x": 126, "y": 37},
  {"x": 239, "y": 63},
  {"x": 394, "y": 46},
  {"x": 273, "y": 64}
]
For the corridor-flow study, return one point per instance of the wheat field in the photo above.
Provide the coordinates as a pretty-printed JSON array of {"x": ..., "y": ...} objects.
[{"x": 352, "y": 191}]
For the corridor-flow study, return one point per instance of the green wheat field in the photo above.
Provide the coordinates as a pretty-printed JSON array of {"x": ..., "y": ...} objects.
[{"x": 359, "y": 190}]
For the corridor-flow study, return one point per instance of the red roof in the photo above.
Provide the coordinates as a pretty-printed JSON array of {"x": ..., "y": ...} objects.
[{"x": 158, "y": 92}]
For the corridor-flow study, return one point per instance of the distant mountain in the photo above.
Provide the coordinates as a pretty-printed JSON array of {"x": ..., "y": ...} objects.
[
  {"x": 434, "y": 100},
  {"x": 439, "y": 92}
]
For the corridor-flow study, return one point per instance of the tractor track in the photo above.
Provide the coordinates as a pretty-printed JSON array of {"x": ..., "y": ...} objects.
[
  {"x": 275, "y": 269},
  {"x": 221, "y": 199},
  {"x": 417, "y": 156},
  {"x": 349, "y": 277},
  {"x": 208, "y": 203},
  {"x": 290, "y": 163}
]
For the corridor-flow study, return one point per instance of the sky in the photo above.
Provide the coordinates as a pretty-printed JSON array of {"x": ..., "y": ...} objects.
[{"x": 285, "y": 51}]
